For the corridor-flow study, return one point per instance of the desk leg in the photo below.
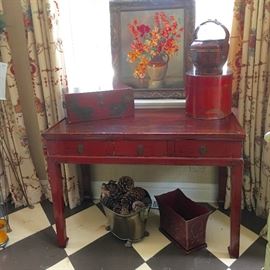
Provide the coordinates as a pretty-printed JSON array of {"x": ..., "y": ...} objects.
[
  {"x": 55, "y": 179},
  {"x": 222, "y": 182},
  {"x": 236, "y": 187}
]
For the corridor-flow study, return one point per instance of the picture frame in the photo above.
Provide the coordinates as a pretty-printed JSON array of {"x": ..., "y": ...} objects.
[{"x": 144, "y": 12}]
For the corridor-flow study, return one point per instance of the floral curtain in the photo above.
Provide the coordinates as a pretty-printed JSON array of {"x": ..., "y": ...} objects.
[
  {"x": 15, "y": 160},
  {"x": 49, "y": 83},
  {"x": 41, "y": 18},
  {"x": 249, "y": 60}
]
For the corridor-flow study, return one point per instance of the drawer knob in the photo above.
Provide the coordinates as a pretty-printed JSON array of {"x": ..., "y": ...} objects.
[
  {"x": 203, "y": 150},
  {"x": 140, "y": 150},
  {"x": 80, "y": 148}
]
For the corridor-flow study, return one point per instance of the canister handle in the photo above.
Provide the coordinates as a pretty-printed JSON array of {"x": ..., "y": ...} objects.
[{"x": 195, "y": 35}]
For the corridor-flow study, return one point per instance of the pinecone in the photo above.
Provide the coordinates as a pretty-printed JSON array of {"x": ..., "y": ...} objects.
[
  {"x": 122, "y": 197},
  {"x": 124, "y": 211},
  {"x": 117, "y": 208},
  {"x": 110, "y": 189},
  {"x": 104, "y": 191},
  {"x": 131, "y": 196},
  {"x": 125, "y": 184},
  {"x": 127, "y": 201},
  {"x": 110, "y": 194},
  {"x": 109, "y": 202},
  {"x": 138, "y": 193},
  {"x": 137, "y": 206}
]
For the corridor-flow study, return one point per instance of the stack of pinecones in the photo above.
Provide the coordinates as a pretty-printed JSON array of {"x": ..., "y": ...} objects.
[{"x": 123, "y": 197}]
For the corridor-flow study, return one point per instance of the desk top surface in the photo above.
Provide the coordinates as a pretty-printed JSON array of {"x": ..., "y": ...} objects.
[{"x": 152, "y": 123}]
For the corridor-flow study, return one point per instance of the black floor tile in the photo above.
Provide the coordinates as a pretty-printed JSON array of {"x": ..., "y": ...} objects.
[
  {"x": 48, "y": 209},
  {"x": 106, "y": 253},
  {"x": 38, "y": 251},
  {"x": 248, "y": 219},
  {"x": 252, "y": 222},
  {"x": 174, "y": 258},
  {"x": 252, "y": 258}
]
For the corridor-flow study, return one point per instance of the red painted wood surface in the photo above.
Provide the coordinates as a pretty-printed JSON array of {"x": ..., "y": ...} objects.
[
  {"x": 159, "y": 136},
  {"x": 148, "y": 125},
  {"x": 208, "y": 96},
  {"x": 89, "y": 106}
]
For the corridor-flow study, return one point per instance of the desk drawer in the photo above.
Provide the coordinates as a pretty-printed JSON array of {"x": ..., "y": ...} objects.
[
  {"x": 140, "y": 148},
  {"x": 80, "y": 148},
  {"x": 193, "y": 148}
]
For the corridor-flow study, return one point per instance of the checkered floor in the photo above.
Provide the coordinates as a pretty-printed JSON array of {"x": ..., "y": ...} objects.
[{"x": 32, "y": 244}]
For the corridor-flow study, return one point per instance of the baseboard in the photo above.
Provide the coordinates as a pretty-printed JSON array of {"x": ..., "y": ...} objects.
[{"x": 195, "y": 191}]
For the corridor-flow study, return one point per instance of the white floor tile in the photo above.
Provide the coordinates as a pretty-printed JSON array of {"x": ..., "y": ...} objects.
[
  {"x": 218, "y": 237},
  {"x": 26, "y": 222},
  {"x": 84, "y": 228},
  {"x": 153, "y": 243},
  {"x": 62, "y": 265}
]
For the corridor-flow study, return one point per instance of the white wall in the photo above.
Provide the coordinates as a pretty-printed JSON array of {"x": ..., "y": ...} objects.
[{"x": 198, "y": 183}]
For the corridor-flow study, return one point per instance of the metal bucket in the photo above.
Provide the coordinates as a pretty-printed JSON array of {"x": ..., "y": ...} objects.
[{"x": 130, "y": 228}]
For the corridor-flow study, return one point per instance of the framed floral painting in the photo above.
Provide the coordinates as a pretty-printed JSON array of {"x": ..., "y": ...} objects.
[{"x": 150, "y": 42}]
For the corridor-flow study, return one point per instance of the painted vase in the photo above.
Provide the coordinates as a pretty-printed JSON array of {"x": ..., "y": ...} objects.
[{"x": 156, "y": 70}]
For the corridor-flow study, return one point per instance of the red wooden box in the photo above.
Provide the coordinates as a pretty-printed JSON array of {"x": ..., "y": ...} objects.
[
  {"x": 81, "y": 107},
  {"x": 208, "y": 96},
  {"x": 183, "y": 220}
]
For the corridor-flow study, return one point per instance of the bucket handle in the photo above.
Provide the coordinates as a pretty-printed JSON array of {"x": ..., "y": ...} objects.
[{"x": 195, "y": 35}]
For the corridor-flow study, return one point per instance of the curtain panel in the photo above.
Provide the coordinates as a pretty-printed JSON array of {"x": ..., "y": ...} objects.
[
  {"x": 44, "y": 51},
  {"x": 250, "y": 63},
  {"x": 16, "y": 162},
  {"x": 48, "y": 75}
]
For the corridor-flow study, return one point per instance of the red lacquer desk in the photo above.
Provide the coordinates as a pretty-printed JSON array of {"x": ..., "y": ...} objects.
[{"x": 157, "y": 136}]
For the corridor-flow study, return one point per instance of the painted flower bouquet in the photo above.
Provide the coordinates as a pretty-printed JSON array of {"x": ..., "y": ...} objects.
[{"x": 151, "y": 41}]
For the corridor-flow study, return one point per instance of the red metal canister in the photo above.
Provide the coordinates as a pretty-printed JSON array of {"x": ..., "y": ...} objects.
[{"x": 208, "y": 96}]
